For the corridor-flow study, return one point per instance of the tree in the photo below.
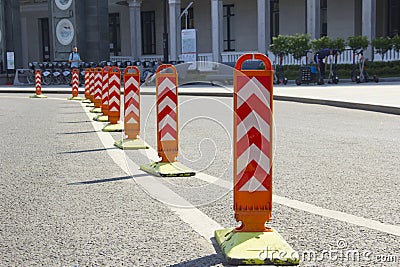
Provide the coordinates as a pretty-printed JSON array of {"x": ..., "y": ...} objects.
[
  {"x": 358, "y": 42},
  {"x": 298, "y": 45},
  {"x": 321, "y": 43},
  {"x": 382, "y": 45},
  {"x": 280, "y": 45},
  {"x": 338, "y": 44},
  {"x": 396, "y": 43}
]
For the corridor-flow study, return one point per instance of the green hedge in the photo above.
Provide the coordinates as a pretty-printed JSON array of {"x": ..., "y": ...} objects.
[{"x": 381, "y": 69}]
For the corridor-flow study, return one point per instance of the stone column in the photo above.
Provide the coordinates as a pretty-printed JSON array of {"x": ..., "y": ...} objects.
[
  {"x": 263, "y": 23},
  {"x": 313, "y": 18},
  {"x": 216, "y": 29},
  {"x": 135, "y": 28},
  {"x": 368, "y": 25},
  {"x": 2, "y": 38},
  {"x": 174, "y": 29},
  {"x": 12, "y": 35},
  {"x": 97, "y": 37}
]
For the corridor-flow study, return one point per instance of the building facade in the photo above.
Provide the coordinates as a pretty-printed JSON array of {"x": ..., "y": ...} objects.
[{"x": 225, "y": 28}]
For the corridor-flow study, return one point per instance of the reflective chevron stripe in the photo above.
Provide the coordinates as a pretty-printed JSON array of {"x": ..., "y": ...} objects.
[
  {"x": 75, "y": 82},
  {"x": 104, "y": 96},
  {"x": 253, "y": 135},
  {"x": 98, "y": 84},
  {"x": 87, "y": 81},
  {"x": 114, "y": 95},
  {"x": 91, "y": 83},
  {"x": 132, "y": 102},
  {"x": 132, "y": 105},
  {"x": 167, "y": 113},
  {"x": 167, "y": 104},
  {"x": 38, "y": 82}
]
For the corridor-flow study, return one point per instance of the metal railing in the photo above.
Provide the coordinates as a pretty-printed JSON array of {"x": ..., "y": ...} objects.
[{"x": 205, "y": 59}]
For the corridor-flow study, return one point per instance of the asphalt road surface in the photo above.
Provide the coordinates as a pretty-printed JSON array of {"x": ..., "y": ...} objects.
[{"x": 69, "y": 198}]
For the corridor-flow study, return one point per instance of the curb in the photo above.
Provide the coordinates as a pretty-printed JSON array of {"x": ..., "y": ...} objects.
[
  {"x": 316, "y": 101},
  {"x": 341, "y": 104}
]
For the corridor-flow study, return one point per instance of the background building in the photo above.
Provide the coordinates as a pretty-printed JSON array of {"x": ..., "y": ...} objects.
[{"x": 225, "y": 28}]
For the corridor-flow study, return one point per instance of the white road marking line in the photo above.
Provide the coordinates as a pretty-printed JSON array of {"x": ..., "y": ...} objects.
[
  {"x": 295, "y": 204},
  {"x": 199, "y": 221},
  {"x": 193, "y": 216},
  {"x": 338, "y": 215}
]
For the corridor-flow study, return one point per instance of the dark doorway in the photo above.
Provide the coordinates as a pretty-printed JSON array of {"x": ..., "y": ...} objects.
[
  {"x": 115, "y": 34},
  {"x": 45, "y": 38},
  {"x": 148, "y": 33}
]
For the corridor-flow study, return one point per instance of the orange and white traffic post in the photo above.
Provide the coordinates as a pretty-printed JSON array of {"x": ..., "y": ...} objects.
[
  {"x": 91, "y": 88},
  {"x": 114, "y": 100},
  {"x": 167, "y": 125},
  {"x": 75, "y": 85},
  {"x": 252, "y": 242},
  {"x": 98, "y": 84},
  {"x": 87, "y": 84},
  {"x": 38, "y": 85},
  {"x": 104, "y": 96},
  {"x": 131, "y": 111}
]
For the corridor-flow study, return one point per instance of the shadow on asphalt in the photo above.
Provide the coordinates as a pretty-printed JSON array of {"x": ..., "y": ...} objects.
[
  {"x": 102, "y": 180},
  {"x": 210, "y": 260},
  {"x": 83, "y": 132},
  {"x": 70, "y": 122},
  {"x": 77, "y": 112},
  {"x": 69, "y": 106},
  {"x": 88, "y": 150}
]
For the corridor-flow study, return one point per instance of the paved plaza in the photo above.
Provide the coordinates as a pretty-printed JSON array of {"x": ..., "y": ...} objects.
[{"x": 68, "y": 197}]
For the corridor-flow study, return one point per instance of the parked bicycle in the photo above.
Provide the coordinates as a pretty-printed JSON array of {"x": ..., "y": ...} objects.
[
  {"x": 57, "y": 77},
  {"x": 46, "y": 73},
  {"x": 66, "y": 73},
  {"x": 362, "y": 75},
  {"x": 279, "y": 76},
  {"x": 30, "y": 77},
  {"x": 333, "y": 76}
]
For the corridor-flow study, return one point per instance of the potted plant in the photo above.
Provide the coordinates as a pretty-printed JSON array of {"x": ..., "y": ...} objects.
[
  {"x": 358, "y": 42},
  {"x": 382, "y": 45},
  {"x": 321, "y": 43},
  {"x": 396, "y": 43},
  {"x": 299, "y": 45}
]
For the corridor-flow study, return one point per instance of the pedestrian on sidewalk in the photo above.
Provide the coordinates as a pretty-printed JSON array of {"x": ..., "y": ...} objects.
[
  {"x": 319, "y": 59},
  {"x": 74, "y": 59}
]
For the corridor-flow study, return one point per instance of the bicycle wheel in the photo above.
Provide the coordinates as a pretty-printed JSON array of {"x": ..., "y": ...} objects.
[
  {"x": 57, "y": 80},
  {"x": 67, "y": 79},
  {"x": 30, "y": 77},
  {"x": 47, "y": 80}
]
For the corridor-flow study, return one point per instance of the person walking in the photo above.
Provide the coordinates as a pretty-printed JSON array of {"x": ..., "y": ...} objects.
[
  {"x": 321, "y": 55},
  {"x": 74, "y": 58}
]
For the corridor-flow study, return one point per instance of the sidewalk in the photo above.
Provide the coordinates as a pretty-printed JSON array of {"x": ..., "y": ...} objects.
[{"x": 378, "y": 97}]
